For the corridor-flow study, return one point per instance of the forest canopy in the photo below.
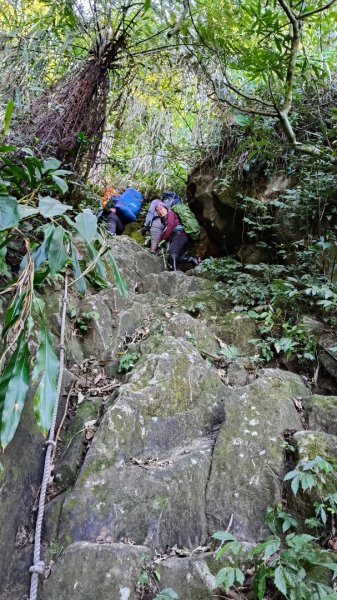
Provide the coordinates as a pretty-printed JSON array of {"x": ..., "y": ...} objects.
[{"x": 160, "y": 81}]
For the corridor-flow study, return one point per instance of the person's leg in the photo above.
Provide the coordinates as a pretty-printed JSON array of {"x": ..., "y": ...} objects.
[
  {"x": 112, "y": 221},
  {"x": 156, "y": 230},
  {"x": 120, "y": 226},
  {"x": 178, "y": 246}
]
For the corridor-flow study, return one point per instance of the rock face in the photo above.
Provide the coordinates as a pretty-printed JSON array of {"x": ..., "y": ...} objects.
[
  {"x": 214, "y": 198},
  {"x": 93, "y": 571},
  {"x": 182, "y": 448},
  {"x": 321, "y": 413},
  {"x": 247, "y": 464}
]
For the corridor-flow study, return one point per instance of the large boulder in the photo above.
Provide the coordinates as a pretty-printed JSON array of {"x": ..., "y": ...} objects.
[
  {"x": 247, "y": 464},
  {"x": 173, "y": 399},
  {"x": 321, "y": 413},
  {"x": 96, "y": 571},
  {"x": 158, "y": 503},
  {"x": 190, "y": 577},
  {"x": 308, "y": 446}
]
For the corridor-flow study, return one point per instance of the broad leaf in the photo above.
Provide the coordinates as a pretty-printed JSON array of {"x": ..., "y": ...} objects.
[
  {"x": 61, "y": 185},
  {"x": 280, "y": 580},
  {"x": 13, "y": 389},
  {"x": 50, "y": 164},
  {"x": 167, "y": 594},
  {"x": 50, "y": 207},
  {"x": 259, "y": 583},
  {"x": 27, "y": 211},
  {"x": 243, "y": 120},
  {"x": 7, "y": 148},
  {"x": 223, "y": 536},
  {"x": 45, "y": 373},
  {"x": 80, "y": 283},
  {"x": 86, "y": 225},
  {"x": 56, "y": 253},
  {"x": 9, "y": 214},
  {"x": 225, "y": 577}
]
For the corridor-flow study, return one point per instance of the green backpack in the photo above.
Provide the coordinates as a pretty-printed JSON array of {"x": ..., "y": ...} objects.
[{"x": 188, "y": 220}]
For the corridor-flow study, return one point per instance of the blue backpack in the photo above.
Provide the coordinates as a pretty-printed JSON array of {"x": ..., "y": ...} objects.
[
  {"x": 129, "y": 204},
  {"x": 171, "y": 198}
]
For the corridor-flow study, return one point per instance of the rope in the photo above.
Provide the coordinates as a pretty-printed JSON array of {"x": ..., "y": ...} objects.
[{"x": 38, "y": 565}]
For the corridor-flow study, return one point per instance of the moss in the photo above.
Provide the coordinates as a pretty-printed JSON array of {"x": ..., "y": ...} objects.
[{"x": 160, "y": 503}]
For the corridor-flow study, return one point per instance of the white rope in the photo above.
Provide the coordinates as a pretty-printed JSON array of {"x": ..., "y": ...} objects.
[{"x": 38, "y": 566}]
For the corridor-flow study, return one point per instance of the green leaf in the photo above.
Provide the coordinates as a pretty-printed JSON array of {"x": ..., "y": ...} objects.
[
  {"x": 143, "y": 578},
  {"x": 225, "y": 577},
  {"x": 121, "y": 284},
  {"x": 80, "y": 283},
  {"x": 7, "y": 148},
  {"x": 86, "y": 225},
  {"x": 259, "y": 583},
  {"x": 8, "y": 116},
  {"x": 50, "y": 164},
  {"x": 56, "y": 253},
  {"x": 13, "y": 311},
  {"x": 9, "y": 214},
  {"x": 50, "y": 207},
  {"x": 223, "y": 536},
  {"x": 239, "y": 576},
  {"x": 167, "y": 594},
  {"x": 280, "y": 580},
  {"x": 99, "y": 265},
  {"x": 45, "y": 374},
  {"x": 27, "y": 211},
  {"x": 13, "y": 389},
  {"x": 147, "y": 4},
  {"x": 243, "y": 120},
  {"x": 61, "y": 185}
]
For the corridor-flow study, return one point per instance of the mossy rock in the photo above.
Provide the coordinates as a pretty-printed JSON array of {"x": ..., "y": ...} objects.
[
  {"x": 321, "y": 413},
  {"x": 158, "y": 504},
  {"x": 93, "y": 571},
  {"x": 247, "y": 465},
  {"x": 309, "y": 445},
  {"x": 67, "y": 465}
]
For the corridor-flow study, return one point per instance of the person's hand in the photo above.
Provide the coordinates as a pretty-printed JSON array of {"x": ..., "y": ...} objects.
[{"x": 145, "y": 230}]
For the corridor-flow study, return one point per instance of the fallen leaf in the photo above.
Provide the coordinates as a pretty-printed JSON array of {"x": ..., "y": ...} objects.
[
  {"x": 80, "y": 397},
  {"x": 98, "y": 378}
]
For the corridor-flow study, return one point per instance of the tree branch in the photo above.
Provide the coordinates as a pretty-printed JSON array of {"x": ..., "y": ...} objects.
[
  {"x": 316, "y": 10},
  {"x": 180, "y": 21},
  {"x": 295, "y": 42}
]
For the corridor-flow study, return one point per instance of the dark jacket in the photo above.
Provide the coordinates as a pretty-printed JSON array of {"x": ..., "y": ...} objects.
[{"x": 172, "y": 221}]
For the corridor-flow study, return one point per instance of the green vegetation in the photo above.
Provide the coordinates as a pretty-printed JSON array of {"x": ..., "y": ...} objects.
[
  {"x": 290, "y": 563},
  {"x": 128, "y": 361}
]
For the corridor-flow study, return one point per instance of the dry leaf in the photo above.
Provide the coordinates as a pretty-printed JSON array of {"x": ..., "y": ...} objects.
[
  {"x": 98, "y": 378},
  {"x": 80, "y": 397}
]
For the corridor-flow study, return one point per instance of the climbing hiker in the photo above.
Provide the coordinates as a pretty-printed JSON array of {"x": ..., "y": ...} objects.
[
  {"x": 121, "y": 209},
  {"x": 153, "y": 225},
  {"x": 174, "y": 233}
]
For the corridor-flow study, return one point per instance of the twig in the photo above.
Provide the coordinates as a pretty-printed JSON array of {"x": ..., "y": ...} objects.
[{"x": 57, "y": 438}]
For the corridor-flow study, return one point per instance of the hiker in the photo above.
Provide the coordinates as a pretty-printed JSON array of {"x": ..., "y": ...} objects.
[
  {"x": 153, "y": 222},
  {"x": 174, "y": 233},
  {"x": 122, "y": 209},
  {"x": 154, "y": 225}
]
